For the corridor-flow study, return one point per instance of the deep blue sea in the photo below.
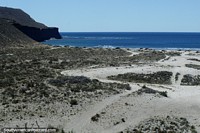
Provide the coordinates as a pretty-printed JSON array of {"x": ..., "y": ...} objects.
[{"x": 155, "y": 40}]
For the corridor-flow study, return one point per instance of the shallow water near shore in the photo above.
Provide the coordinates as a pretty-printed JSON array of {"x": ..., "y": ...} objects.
[{"x": 156, "y": 40}]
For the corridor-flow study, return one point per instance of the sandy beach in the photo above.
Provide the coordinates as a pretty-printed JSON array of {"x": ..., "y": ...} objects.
[{"x": 145, "y": 85}]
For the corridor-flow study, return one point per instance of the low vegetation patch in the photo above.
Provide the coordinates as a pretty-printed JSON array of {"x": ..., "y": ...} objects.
[
  {"x": 190, "y": 80},
  {"x": 163, "y": 125},
  {"x": 95, "y": 118},
  {"x": 149, "y": 56},
  {"x": 84, "y": 84},
  {"x": 161, "y": 77},
  {"x": 176, "y": 76},
  {"x": 193, "y": 66},
  {"x": 146, "y": 90},
  {"x": 173, "y": 53},
  {"x": 194, "y": 59}
]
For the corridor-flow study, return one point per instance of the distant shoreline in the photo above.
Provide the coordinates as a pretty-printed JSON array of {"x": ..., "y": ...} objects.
[
  {"x": 152, "y": 40},
  {"x": 124, "y": 32},
  {"x": 111, "y": 47}
]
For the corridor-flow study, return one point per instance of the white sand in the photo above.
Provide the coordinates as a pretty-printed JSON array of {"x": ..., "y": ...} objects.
[{"x": 182, "y": 101}]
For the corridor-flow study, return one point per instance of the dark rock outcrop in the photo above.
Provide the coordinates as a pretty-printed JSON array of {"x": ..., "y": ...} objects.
[
  {"x": 22, "y": 21},
  {"x": 38, "y": 34}
]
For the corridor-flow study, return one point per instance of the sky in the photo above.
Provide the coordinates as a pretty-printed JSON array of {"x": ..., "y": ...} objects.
[{"x": 113, "y": 15}]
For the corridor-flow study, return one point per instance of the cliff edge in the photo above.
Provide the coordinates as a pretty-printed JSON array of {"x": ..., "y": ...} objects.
[{"x": 24, "y": 23}]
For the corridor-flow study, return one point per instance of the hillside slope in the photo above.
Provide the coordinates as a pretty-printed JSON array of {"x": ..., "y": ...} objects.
[
  {"x": 23, "y": 22},
  {"x": 10, "y": 36},
  {"x": 20, "y": 17}
]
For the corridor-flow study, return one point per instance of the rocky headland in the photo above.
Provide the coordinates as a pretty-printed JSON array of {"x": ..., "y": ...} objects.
[{"x": 17, "y": 27}]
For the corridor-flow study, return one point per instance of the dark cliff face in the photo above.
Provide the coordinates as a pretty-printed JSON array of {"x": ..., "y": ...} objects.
[
  {"x": 38, "y": 34},
  {"x": 22, "y": 21}
]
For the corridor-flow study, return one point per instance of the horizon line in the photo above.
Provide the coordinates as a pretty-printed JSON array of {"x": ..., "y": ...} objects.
[{"x": 130, "y": 31}]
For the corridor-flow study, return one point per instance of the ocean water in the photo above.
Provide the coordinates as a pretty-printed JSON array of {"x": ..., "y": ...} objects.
[{"x": 155, "y": 40}]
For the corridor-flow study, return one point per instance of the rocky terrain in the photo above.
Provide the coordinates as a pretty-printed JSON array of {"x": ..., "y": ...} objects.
[{"x": 68, "y": 88}]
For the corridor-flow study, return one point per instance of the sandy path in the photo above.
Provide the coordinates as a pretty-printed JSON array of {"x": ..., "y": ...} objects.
[
  {"x": 183, "y": 103},
  {"x": 182, "y": 100},
  {"x": 82, "y": 120}
]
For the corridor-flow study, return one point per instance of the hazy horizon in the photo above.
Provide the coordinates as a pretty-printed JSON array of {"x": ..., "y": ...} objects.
[{"x": 114, "y": 15}]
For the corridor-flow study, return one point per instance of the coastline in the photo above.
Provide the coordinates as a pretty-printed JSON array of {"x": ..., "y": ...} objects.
[
  {"x": 85, "y": 72},
  {"x": 155, "y": 40},
  {"x": 133, "y": 48}
]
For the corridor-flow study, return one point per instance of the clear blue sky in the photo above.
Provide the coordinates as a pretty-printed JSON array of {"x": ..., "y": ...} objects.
[{"x": 114, "y": 15}]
